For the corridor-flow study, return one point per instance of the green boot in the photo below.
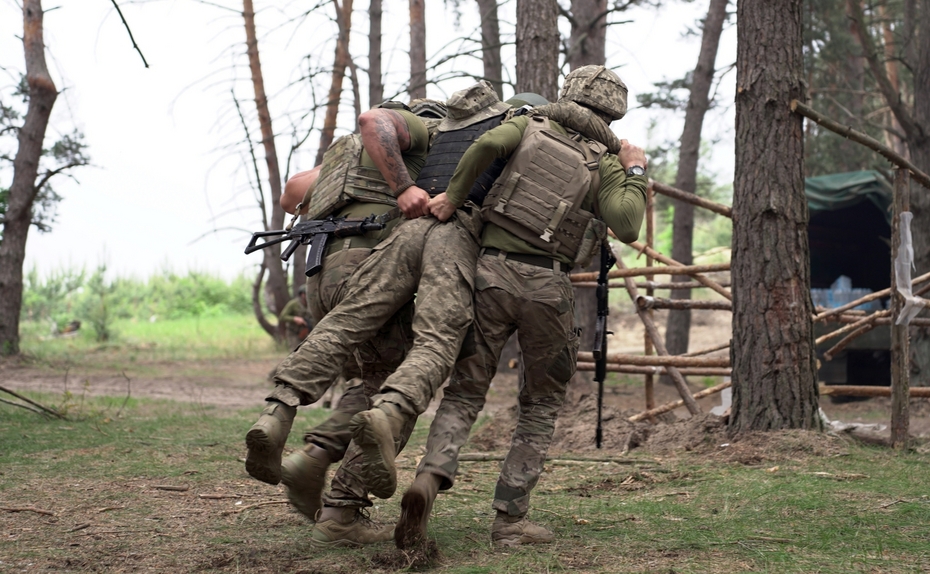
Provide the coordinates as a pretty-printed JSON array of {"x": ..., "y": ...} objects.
[
  {"x": 265, "y": 441},
  {"x": 304, "y": 476},
  {"x": 414, "y": 510},
  {"x": 375, "y": 431},
  {"x": 517, "y": 530},
  {"x": 347, "y": 527}
]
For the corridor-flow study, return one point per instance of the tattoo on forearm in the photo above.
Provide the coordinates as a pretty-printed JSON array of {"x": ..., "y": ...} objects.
[{"x": 388, "y": 139}]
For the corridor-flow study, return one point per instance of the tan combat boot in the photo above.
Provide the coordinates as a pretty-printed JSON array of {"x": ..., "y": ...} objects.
[
  {"x": 347, "y": 527},
  {"x": 414, "y": 510},
  {"x": 265, "y": 441},
  {"x": 516, "y": 530},
  {"x": 304, "y": 476},
  {"x": 375, "y": 431}
]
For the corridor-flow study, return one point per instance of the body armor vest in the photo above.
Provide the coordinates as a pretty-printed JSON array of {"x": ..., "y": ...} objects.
[
  {"x": 446, "y": 150},
  {"x": 343, "y": 179},
  {"x": 539, "y": 195}
]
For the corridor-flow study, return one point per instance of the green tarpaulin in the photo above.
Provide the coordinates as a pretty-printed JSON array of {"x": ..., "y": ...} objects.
[{"x": 839, "y": 190}]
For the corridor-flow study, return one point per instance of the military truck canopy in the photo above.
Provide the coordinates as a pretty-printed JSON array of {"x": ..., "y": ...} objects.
[{"x": 842, "y": 190}]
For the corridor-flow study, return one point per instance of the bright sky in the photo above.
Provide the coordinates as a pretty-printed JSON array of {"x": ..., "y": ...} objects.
[{"x": 162, "y": 179}]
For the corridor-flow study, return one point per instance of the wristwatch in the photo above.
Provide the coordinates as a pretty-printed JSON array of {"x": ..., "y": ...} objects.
[{"x": 636, "y": 170}]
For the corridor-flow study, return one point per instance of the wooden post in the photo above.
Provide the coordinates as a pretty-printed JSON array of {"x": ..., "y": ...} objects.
[
  {"x": 900, "y": 351},
  {"x": 647, "y": 342}
]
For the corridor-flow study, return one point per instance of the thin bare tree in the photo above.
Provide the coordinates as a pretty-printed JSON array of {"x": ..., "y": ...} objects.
[
  {"x": 340, "y": 63},
  {"x": 491, "y": 45},
  {"x": 678, "y": 327},
  {"x": 28, "y": 183},
  {"x": 277, "y": 280},
  {"x": 417, "y": 87},
  {"x": 375, "y": 82}
]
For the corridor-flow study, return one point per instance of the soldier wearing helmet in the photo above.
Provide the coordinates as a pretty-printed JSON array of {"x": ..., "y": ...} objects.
[
  {"x": 547, "y": 212},
  {"x": 361, "y": 174}
]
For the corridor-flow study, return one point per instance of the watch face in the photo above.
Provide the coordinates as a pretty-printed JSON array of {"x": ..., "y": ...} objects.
[{"x": 636, "y": 170}]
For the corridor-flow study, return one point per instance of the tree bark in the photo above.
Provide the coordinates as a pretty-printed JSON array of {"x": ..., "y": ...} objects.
[
  {"x": 277, "y": 280},
  {"x": 23, "y": 189},
  {"x": 375, "y": 83},
  {"x": 678, "y": 326},
  {"x": 491, "y": 45},
  {"x": 538, "y": 48},
  {"x": 340, "y": 61},
  {"x": 417, "y": 50},
  {"x": 772, "y": 353},
  {"x": 587, "y": 40},
  {"x": 920, "y": 199}
]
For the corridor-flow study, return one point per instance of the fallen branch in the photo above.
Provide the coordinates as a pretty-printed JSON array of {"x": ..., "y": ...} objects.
[
  {"x": 256, "y": 505},
  {"x": 171, "y": 488},
  {"x": 674, "y": 405},
  {"x": 27, "y": 509},
  {"x": 43, "y": 408},
  {"x": 488, "y": 457},
  {"x": 217, "y": 496},
  {"x": 22, "y": 406}
]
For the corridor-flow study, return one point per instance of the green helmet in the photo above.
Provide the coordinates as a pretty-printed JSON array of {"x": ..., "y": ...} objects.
[
  {"x": 598, "y": 88},
  {"x": 527, "y": 99},
  {"x": 426, "y": 108}
]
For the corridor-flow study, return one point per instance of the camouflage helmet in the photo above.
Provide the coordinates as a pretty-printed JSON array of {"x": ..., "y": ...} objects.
[
  {"x": 598, "y": 88},
  {"x": 474, "y": 104},
  {"x": 302, "y": 290},
  {"x": 426, "y": 108}
]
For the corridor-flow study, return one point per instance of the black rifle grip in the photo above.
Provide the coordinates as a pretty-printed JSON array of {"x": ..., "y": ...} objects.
[{"x": 315, "y": 254}]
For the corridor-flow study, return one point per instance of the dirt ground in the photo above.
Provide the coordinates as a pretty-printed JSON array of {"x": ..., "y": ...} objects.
[
  {"x": 239, "y": 384},
  {"x": 110, "y": 545}
]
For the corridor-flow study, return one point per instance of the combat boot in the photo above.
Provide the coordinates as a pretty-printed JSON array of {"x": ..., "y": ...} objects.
[
  {"x": 347, "y": 526},
  {"x": 375, "y": 431},
  {"x": 265, "y": 441},
  {"x": 516, "y": 530},
  {"x": 415, "y": 508},
  {"x": 304, "y": 476}
]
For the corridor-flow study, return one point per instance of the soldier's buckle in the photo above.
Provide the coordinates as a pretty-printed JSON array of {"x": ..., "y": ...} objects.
[{"x": 547, "y": 235}]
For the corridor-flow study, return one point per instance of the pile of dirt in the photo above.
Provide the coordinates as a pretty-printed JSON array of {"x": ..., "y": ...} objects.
[
  {"x": 577, "y": 424},
  {"x": 703, "y": 435}
]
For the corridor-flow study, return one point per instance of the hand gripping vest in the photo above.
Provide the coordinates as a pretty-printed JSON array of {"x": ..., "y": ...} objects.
[
  {"x": 538, "y": 197},
  {"x": 343, "y": 179}
]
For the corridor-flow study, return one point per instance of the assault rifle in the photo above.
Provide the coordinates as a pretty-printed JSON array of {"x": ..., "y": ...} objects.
[
  {"x": 600, "y": 334},
  {"x": 316, "y": 234}
]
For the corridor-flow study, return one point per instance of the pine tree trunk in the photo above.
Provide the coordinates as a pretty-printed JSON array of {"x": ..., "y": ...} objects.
[
  {"x": 678, "y": 327},
  {"x": 277, "y": 280},
  {"x": 538, "y": 48},
  {"x": 772, "y": 352},
  {"x": 375, "y": 83},
  {"x": 23, "y": 190},
  {"x": 340, "y": 61},
  {"x": 491, "y": 45},
  {"x": 587, "y": 40},
  {"x": 417, "y": 50},
  {"x": 920, "y": 197}
]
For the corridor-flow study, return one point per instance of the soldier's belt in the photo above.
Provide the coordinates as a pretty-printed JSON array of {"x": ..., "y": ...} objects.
[{"x": 537, "y": 260}]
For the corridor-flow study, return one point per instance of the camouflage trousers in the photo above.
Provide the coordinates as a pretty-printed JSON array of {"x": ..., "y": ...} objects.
[
  {"x": 434, "y": 261},
  {"x": 537, "y": 303},
  {"x": 371, "y": 364}
]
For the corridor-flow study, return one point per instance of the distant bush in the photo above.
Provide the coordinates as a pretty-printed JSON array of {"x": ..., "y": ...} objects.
[{"x": 98, "y": 299}]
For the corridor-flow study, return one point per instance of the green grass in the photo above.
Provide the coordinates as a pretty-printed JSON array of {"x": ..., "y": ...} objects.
[
  {"x": 214, "y": 337},
  {"x": 858, "y": 510}
]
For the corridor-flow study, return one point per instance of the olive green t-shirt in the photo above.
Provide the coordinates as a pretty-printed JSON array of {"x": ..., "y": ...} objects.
[
  {"x": 621, "y": 198},
  {"x": 414, "y": 158}
]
